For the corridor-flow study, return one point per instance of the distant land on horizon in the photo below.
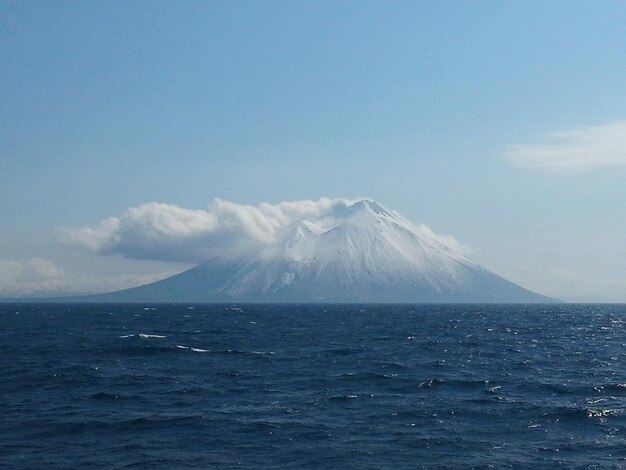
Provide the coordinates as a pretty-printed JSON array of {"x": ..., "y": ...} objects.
[{"x": 360, "y": 253}]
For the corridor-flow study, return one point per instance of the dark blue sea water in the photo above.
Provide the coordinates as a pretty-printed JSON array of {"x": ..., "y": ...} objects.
[{"x": 266, "y": 386}]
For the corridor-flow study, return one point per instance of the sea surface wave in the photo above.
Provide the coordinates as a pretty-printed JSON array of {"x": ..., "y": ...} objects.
[{"x": 315, "y": 386}]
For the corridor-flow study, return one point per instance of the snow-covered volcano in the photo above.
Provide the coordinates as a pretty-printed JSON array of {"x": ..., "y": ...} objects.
[{"x": 361, "y": 252}]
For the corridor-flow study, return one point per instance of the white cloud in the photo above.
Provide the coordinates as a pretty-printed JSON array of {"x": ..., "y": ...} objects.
[
  {"x": 37, "y": 277},
  {"x": 171, "y": 233},
  {"x": 575, "y": 150},
  {"x": 34, "y": 270}
]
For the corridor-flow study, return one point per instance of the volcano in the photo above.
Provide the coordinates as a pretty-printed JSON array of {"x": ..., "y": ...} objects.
[{"x": 362, "y": 252}]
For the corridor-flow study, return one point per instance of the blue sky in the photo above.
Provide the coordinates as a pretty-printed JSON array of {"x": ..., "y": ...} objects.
[{"x": 499, "y": 123}]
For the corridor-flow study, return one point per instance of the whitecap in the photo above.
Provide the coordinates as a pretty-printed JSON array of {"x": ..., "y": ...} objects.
[
  {"x": 200, "y": 350},
  {"x": 143, "y": 336},
  {"x": 182, "y": 347},
  {"x": 591, "y": 413}
]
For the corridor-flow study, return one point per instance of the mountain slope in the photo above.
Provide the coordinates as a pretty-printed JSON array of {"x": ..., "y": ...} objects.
[{"x": 360, "y": 253}]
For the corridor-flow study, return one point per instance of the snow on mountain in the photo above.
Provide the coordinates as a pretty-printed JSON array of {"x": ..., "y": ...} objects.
[{"x": 360, "y": 252}]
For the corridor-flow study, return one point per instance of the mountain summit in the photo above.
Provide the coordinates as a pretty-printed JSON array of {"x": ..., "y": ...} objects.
[{"x": 360, "y": 252}]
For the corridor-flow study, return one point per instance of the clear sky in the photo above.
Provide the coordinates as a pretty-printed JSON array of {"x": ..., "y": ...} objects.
[{"x": 502, "y": 124}]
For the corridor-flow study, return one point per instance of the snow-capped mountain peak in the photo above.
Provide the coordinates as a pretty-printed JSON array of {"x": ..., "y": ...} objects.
[
  {"x": 356, "y": 252},
  {"x": 364, "y": 229}
]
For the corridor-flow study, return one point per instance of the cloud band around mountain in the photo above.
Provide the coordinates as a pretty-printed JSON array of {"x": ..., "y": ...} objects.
[
  {"x": 172, "y": 233},
  {"x": 156, "y": 231}
]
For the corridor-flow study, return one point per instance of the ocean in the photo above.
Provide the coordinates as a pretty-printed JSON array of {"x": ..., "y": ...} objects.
[{"x": 312, "y": 386}]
